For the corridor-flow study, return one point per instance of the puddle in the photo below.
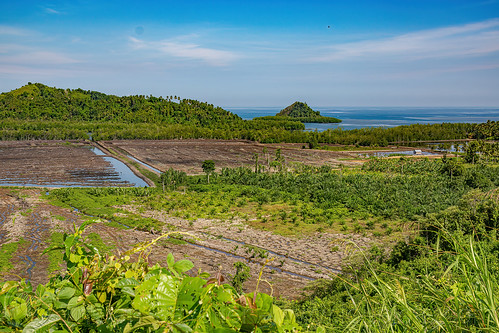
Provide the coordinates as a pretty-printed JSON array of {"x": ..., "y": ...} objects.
[
  {"x": 446, "y": 147},
  {"x": 396, "y": 153},
  {"x": 31, "y": 264}
]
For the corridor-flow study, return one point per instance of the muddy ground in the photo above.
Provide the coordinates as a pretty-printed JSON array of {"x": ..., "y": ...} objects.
[
  {"x": 216, "y": 245},
  {"x": 54, "y": 163},
  {"x": 188, "y": 155},
  {"x": 24, "y": 213}
]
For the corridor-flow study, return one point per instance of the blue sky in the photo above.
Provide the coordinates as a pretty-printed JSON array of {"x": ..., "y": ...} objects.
[{"x": 259, "y": 53}]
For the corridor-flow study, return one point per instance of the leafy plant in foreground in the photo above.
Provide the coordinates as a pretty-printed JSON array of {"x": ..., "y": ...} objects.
[{"x": 118, "y": 294}]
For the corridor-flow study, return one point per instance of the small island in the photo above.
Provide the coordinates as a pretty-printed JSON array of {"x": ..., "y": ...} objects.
[{"x": 299, "y": 111}]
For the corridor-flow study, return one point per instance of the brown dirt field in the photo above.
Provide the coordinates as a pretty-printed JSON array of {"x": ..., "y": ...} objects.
[
  {"x": 54, "y": 163},
  {"x": 25, "y": 214},
  {"x": 188, "y": 155}
]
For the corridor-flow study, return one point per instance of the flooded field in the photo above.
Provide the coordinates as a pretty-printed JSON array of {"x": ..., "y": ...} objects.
[{"x": 61, "y": 164}]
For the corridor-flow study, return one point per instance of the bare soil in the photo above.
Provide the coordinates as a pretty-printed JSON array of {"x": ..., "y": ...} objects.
[
  {"x": 188, "y": 155},
  {"x": 54, "y": 163},
  {"x": 288, "y": 264}
]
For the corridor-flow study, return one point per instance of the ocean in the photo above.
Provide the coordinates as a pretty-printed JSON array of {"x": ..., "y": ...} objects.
[{"x": 360, "y": 117}]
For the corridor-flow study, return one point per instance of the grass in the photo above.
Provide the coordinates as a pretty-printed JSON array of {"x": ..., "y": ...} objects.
[
  {"x": 464, "y": 297},
  {"x": 55, "y": 257},
  {"x": 95, "y": 240},
  {"x": 7, "y": 252}
]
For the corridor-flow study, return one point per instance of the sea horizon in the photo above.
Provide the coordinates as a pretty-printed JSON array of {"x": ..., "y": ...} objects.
[{"x": 376, "y": 116}]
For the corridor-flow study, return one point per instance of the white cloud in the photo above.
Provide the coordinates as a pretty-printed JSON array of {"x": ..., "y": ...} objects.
[
  {"x": 52, "y": 11},
  {"x": 471, "y": 39},
  {"x": 38, "y": 57},
  {"x": 186, "y": 50},
  {"x": 12, "y": 31}
]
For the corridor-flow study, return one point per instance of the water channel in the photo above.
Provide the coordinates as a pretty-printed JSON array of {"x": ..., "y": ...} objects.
[{"x": 124, "y": 172}]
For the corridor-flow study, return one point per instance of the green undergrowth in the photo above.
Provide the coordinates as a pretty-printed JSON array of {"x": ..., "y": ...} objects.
[
  {"x": 98, "y": 293},
  {"x": 7, "y": 252},
  {"x": 104, "y": 203},
  {"x": 56, "y": 257},
  {"x": 445, "y": 278},
  {"x": 384, "y": 198}
]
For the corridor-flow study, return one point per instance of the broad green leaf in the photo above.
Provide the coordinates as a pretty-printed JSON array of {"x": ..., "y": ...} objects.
[
  {"x": 182, "y": 328},
  {"x": 166, "y": 297},
  {"x": 143, "y": 322},
  {"x": 102, "y": 296},
  {"x": 127, "y": 282},
  {"x": 289, "y": 316},
  {"x": 74, "y": 302},
  {"x": 8, "y": 286},
  {"x": 170, "y": 260},
  {"x": 74, "y": 258},
  {"x": 78, "y": 312},
  {"x": 41, "y": 324},
  {"x": 264, "y": 302},
  {"x": 182, "y": 266},
  {"x": 224, "y": 295},
  {"x": 188, "y": 297},
  {"x": 19, "y": 310},
  {"x": 66, "y": 293},
  {"x": 278, "y": 315}
]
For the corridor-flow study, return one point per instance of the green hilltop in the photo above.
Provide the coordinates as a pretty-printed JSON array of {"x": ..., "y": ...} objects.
[{"x": 299, "y": 111}]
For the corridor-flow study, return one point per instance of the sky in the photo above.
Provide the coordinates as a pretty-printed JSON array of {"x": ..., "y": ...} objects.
[{"x": 259, "y": 53}]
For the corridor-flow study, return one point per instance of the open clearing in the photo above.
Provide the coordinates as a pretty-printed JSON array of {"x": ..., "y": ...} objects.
[
  {"x": 26, "y": 217},
  {"x": 188, "y": 155},
  {"x": 291, "y": 262}
]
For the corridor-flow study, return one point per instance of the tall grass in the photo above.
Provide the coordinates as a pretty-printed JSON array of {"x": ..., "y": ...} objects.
[{"x": 463, "y": 298}]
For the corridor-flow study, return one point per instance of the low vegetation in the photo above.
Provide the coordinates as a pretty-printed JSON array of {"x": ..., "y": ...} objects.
[{"x": 120, "y": 294}]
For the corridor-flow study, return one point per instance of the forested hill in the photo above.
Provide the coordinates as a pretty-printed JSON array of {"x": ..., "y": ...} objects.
[
  {"x": 40, "y": 102},
  {"x": 299, "y": 111}
]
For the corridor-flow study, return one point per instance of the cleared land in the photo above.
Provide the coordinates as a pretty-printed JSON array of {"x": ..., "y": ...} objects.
[
  {"x": 188, "y": 155},
  {"x": 27, "y": 221},
  {"x": 54, "y": 163}
]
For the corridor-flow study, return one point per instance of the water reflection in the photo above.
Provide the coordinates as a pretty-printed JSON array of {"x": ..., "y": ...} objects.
[{"x": 124, "y": 172}]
